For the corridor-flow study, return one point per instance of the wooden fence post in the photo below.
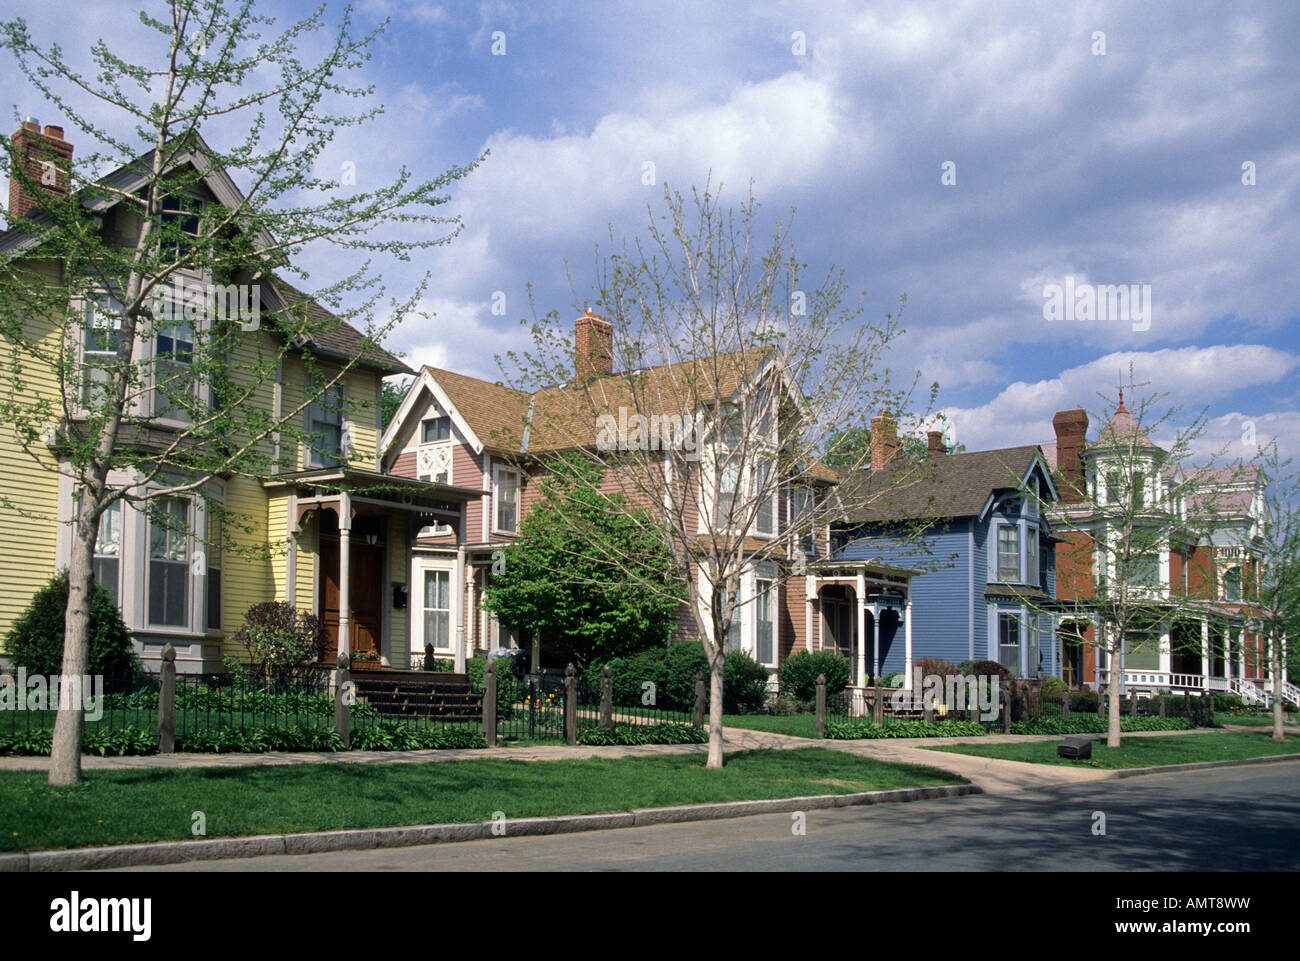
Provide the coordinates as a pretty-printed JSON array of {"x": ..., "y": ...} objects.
[
  {"x": 571, "y": 705},
  {"x": 821, "y": 705},
  {"x": 490, "y": 703},
  {"x": 167, "y": 701},
  {"x": 1006, "y": 711},
  {"x": 878, "y": 708},
  {"x": 697, "y": 710},
  {"x": 606, "y": 699},
  {"x": 344, "y": 695}
]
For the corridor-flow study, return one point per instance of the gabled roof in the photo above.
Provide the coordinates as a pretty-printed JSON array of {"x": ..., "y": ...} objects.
[
  {"x": 339, "y": 341},
  {"x": 947, "y": 486},
  {"x": 561, "y": 417}
]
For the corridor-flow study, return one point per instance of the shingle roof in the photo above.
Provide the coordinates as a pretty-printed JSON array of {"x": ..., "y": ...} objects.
[
  {"x": 1122, "y": 430},
  {"x": 334, "y": 337},
  {"x": 947, "y": 486},
  {"x": 564, "y": 417}
]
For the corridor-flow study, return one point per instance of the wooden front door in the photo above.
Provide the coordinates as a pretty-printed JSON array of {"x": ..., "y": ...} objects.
[{"x": 366, "y": 601}]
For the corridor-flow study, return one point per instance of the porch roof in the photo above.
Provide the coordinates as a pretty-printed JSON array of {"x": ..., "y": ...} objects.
[
  {"x": 828, "y": 567},
  {"x": 327, "y": 487}
]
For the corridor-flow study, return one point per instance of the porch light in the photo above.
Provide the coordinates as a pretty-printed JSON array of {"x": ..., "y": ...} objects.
[{"x": 372, "y": 540}]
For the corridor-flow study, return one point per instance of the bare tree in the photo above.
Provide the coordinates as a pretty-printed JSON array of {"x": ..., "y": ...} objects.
[
  {"x": 1136, "y": 504},
  {"x": 110, "y": 278},
  {"x": 714, "y": 385}
]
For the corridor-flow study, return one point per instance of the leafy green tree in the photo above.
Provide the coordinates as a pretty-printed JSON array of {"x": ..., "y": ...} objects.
[
  {"x": 1275, "y": 550},
  {"x": 103, "y": 293},
  {"x": 552, "y": 585}
]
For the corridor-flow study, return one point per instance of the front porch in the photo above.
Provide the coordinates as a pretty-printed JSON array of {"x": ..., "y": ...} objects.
[
  {"x": 860, "y": 608},
  {"x": 351, "y": 535}
]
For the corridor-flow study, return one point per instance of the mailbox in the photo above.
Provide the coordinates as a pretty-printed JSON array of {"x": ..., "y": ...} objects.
[{"x": 399, "y": 597}]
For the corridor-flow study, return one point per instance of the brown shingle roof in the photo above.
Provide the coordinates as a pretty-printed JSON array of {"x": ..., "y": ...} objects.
[
  {"x": 564, "y": 417},
  {"x": 952, "y": 485},
  {"x": 332, "y": 336}
]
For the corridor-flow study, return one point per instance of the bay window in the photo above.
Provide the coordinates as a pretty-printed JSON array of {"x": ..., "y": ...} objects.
[
  {"x": 766, "y": 502},
  {"x": 173, "y": 383},
  {"x": 325, "y": 427},
  {"x": 103, "y": 325},
  {"x": 765, "y": 621},
  {"x": 1009, "y": 642},
  {"x": 728, "y": 489},
  {"x": 107, "y": 563},
  {"x": 1008, "y": 553},
  {"x": 1031, "y": 557},
  {"x": 801, "y": 508}
]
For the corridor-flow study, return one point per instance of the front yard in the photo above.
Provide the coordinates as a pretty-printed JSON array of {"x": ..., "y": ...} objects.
[
  {"x": 1140, "y": 751},
  {"x": 118, "y": 807}
]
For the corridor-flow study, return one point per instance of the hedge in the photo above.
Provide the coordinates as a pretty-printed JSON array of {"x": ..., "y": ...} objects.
[
  {"x": 1098, "y": 724},
  {"x": 644, "y": 734},
  {"x": 859, "y": 730}
]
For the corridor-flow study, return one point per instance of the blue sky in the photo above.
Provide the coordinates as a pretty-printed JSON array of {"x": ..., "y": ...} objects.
[{"x": 1122, "y": 168}]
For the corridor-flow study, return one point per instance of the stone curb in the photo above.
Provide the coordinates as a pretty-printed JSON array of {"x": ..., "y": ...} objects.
[
  {"x": 1202, "y": 765},
  {"x": 180, "y": 852}
]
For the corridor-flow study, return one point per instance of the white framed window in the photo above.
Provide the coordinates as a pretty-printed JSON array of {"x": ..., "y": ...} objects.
[
  {"x": 108, "y": 551},
  {"x": 168, "y": 580},
  {"x": 102, "y": 331},
  {"x": 180, "y": 213},
  {"x": 1031, "y": 556},
  {"x": 436, "y": 608},
  {"x": 1232, "y": 583},
  {"x": 728, "y": 490},
  {"x": 765, "y": 519},
  {"x": 765, "y": 598},
  {"x": 801, "y": 507},
  {"x": 1008, "y": 552},
  {"x": 1009, "y": 642},
  {"x": 505, "y": 516},
  {"x": 435, "y": 429},
  {"x": 325, "y": 427},
  {"x": 173, "y": 381}
]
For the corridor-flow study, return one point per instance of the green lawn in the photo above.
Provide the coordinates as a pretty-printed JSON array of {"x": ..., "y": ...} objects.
[
  {"x": 124, "y": 806},
  {"x": 1253, "y": 719},
  {"x": 1140, "y": 751},
  {"x": 796, "y": 725}
]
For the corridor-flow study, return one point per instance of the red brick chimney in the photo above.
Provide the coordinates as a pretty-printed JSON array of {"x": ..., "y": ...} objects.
[
  {"x": 46, "y": 158},
  {"x": 934, "y": 443},
  {"x": 1071, "y": 428},
  {"x": 884, "y": 439},
  {"x": 593, "y": 347}
]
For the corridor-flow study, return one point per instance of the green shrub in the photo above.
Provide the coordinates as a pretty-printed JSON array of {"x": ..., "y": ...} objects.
[
  {"x": 281, "y": 640},
  {"x": 860, "y": 730},
  {"x": 744, "y": 684},
  {"x": 800, "y": 671},
  {"x": 35, "y": 641},
  {"x": 644, "y": 734},
  {"x": 1084, "y": 701},
  {"x": 509, "y": 689},
  {"x": 1051, "y": 689},
  {"x": 439, "y": 665},
  {"x": 396, "y": 736},
  {"x": 1098, "y": 724},
  {"x": 682, "y": 661}
]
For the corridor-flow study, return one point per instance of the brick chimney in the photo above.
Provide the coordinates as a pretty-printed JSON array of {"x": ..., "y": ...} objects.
[
  {"x": 593, "y": 347},
  {"x": 884, "y": 439},
  {"x": 1071, "y": 428},
  {"x": 934, "y": 443},
  {"x": 46, "y": 157}
]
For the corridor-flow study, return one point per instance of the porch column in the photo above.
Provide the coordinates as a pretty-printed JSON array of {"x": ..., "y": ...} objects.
[
  {"x": 345, "y": 573},
  {"x": 875, "y": 638},
  {"x": 907, "y": 639},
  {"x": 458, "y": 607},
  {"x": 1205, "y": 653},
  {"x": 862, "y": 629}
]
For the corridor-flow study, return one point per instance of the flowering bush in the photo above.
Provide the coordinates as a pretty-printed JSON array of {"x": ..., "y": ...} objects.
[{"x": 281, "y": 640}]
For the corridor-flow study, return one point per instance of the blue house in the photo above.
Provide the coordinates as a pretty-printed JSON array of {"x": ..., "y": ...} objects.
[{"x": 971, "y": 528}]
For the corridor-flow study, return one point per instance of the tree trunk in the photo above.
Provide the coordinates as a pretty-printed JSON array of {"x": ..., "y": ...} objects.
[
  {"x": 1112, "y": 730},
  {"x": 715, "y": 709},
  {"x": 70, "y": 722},
  {"x": 1276, "y": 666}
]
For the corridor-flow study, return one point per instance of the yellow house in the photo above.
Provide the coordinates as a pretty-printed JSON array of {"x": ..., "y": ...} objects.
[{"x": 322, "y": 529}]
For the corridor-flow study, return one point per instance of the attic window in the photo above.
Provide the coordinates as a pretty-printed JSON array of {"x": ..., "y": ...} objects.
[
  {"x": 434, "y": 429},
  {"x": 179, "y": 214}
]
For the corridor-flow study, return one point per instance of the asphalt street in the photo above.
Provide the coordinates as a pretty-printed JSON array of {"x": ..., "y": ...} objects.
[{"x": 1232, "y": 819}]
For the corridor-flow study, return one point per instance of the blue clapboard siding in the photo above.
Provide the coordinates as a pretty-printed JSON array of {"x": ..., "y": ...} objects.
[{"x": 941, "y": 598}]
